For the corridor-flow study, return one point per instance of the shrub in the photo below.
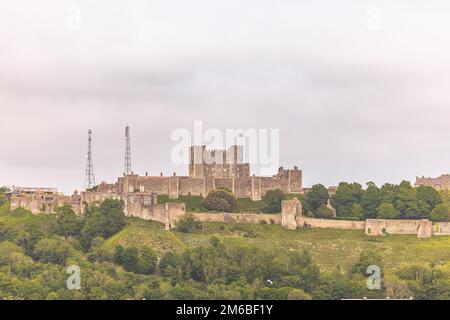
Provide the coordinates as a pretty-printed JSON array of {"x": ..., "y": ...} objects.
[
  {"x": 387, "y": 211},
  {"x": 220, "y": 200},
  {"x": 132, "y": 259},
  {"x": 273, "y": 199},
  {"x": 52, "y": 250},
  {"x": 67, "y": 222},
  {"x": 103, "y": 221},
  {"x": 440, "y": 213},
  {"x": 298, "y": 294},
  {"x": 188, "y": 224},
  {"x": 147, "y": 261},
  {"x": 324, "y": 212},
  {"x": 356, "y": 211},
  {"x": 365, "y": 260}
]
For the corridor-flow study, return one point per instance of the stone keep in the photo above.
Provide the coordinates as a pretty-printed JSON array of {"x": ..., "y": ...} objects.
[{"x": 290, "y": 210}]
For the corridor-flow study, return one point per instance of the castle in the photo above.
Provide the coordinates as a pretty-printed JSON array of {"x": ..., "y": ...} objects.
[
  {"x": 208, "y": 170},
  {"x": 145, "y": 206},
  {"x": 440, "y": 183}
]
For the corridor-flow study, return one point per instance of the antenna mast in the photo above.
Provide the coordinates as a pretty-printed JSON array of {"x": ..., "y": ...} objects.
[
  {"x": 90, "y": 179},
  {"x": 127, "y": 152}
]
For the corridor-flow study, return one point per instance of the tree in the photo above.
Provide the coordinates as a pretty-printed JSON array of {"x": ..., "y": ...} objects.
[
  {"x": 130, "y": 257},
  {"x": 188, "y": 224},
  {"x": 220, "y": 200},
  {"x": 298, "y": 294},
  {"x": 346, "y": 195},
  {"x": 324, "y": 212},
  {"x": 365, "y": 260},
  {"x": 370, "y": 201},
  {"x": 440, "y": 213},
  {"x": 52, "y": 250},
  {"x": 273, "y": 199},
  {"x": 316, "y": 197},
  {"x": 147, "y": 261},
  {"x": 387, "y": 211},
  {"x": 98, "y": 252},
  {"x": 103, "y": 221},
  {"x": 428, "y": 198},
  {"x": 118, "y": 254},
  {"x": 67, "y": 222},
  {"x": 274, "y": 293},
  {"x": 406, "y": 202},
  {"x": 388, "y": 192},
  {"x": 356, "y": 211},
  {"x": 169, "y": 264}
]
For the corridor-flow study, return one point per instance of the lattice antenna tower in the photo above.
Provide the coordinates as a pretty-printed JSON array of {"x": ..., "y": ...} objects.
[
  {"x": 89, "y": 181},
  {"x": 127, "y": 170}
]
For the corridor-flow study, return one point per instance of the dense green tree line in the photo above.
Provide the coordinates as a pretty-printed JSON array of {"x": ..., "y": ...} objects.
[
  {"x": 34, "y": 260},
  {"x": 35, "y": 254},
  {"x": 388, "y": 202}
]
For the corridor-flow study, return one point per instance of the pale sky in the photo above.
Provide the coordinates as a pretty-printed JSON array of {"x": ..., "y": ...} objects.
[{"x": 360, "y": 90}]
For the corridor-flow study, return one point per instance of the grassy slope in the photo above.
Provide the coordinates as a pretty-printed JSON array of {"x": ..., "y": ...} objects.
[
  {"x": 20, "y": 218},
  {"x": 194, "y": 203},
  {"x": 329, "y": 247}
]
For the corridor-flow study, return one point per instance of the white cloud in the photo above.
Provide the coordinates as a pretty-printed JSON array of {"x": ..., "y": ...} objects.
[{"x": 352, "y": 103}]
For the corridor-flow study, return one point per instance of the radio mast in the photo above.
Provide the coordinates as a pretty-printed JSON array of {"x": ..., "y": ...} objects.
[
  {"x": 89, "y": 181},
  {"x": 127, "y": 152}
]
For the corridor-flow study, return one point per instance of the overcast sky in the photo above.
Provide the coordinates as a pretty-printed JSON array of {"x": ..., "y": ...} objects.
[{"x": 360, "y": 90}]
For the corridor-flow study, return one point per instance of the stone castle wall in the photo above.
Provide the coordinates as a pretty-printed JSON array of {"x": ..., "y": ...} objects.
[
  {"x": 289, "y": 181},
  {"x": 38, "y": 203},
  {"x": 441, "y": 228},
  {"x": 145, "y": 206},
  {"x": 238, "y": 217},
  {"x": 381, "y": 227},
  {"x": 333, "y": 224}
]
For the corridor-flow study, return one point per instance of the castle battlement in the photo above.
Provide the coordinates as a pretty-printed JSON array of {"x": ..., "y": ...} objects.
[
  {"x": 439, "y": 183},
  {"x": 208, "y": 170}
]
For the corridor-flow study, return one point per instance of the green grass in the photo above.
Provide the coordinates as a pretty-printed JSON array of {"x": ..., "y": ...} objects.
[
  {"x": 193, "y": 203},
  {"x": 21, "y": 218},
  {"x": 330, "y": 248},
  {"x": 248, "y": 205}
]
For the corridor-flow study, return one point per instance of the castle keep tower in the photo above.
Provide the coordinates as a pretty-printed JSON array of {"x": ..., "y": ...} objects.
[{"x": 220, "y": 164}]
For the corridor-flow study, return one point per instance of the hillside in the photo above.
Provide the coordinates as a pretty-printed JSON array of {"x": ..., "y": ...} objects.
[
  {"x": 329, "y": 247},
  {"x": 220, "y": 261}
]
